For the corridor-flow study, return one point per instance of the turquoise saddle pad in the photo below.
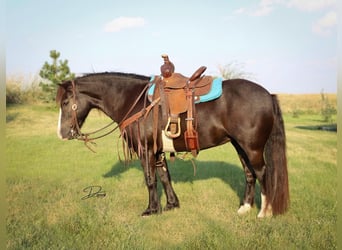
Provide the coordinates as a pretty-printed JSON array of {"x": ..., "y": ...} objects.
[{"x": 215, "y": 91}]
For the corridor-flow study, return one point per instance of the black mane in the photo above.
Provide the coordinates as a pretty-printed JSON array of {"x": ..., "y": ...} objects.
[
  {"x": 130, "y": 76},
  {"x": 118, "y": 74}
]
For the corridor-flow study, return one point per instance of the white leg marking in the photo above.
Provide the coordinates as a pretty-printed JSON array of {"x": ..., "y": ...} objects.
[
  {"x": 264, "y": 211},
  {"x": 245, "y": 208},
  {"x": 59, "y": 127}
]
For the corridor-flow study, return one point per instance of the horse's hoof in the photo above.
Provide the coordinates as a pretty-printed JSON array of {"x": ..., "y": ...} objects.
[
  {"x": 149, "y": 212},
  {"x": 265, "y": 213},
  {"x": 245, "y": 208},
  {"x": 171, "y": 206}
]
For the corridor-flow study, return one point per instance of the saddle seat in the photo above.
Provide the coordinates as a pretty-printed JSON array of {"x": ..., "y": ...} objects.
[
  {"x": 175, "y": 88},
  {"x": 178, "y": 81},
  {"x": 177, "y": 97}
]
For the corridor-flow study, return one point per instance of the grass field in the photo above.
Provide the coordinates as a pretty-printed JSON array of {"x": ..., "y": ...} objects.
[{"x": 46, "y": 178}]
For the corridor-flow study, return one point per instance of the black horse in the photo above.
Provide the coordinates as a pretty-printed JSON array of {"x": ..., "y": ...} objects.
[{"x": 246, "y": 115}]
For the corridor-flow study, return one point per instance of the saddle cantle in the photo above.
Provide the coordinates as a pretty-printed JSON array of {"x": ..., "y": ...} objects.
[{"x": 178, "y": 94}]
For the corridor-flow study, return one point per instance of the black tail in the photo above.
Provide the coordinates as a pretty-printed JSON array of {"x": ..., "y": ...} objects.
[{"x": 277, "y": 186}]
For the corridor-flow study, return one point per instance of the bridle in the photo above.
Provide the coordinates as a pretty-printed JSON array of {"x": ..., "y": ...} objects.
[
  {"x": 75, "y": 127},
  {"x": 86, "y": 137}
]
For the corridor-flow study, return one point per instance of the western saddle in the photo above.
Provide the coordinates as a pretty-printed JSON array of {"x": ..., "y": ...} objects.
[{"x": 178, "y": 94}]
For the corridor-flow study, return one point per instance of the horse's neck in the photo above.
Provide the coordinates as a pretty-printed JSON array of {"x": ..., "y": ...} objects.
[{"x": 115, "y": 99}]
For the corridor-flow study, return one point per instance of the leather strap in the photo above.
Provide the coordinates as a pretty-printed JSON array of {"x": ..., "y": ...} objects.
[{"x": 142, "y": 113}]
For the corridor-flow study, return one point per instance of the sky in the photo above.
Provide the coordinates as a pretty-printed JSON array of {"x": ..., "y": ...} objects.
[{"x": 286, "y": 46}]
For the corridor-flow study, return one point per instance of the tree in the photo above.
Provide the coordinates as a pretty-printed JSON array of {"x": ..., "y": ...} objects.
[
  {"x": 54, "y": 73},
  {"x": 327, "y": 110},
  {"x": 233, "y": 70}
]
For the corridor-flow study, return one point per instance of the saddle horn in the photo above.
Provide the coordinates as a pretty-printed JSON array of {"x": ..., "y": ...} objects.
[{"x": 168, "y": 68}]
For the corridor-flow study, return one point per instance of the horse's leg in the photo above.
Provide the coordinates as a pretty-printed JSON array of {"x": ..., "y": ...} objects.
[
  {"x": 254, "y": 167},
  {"x": 248, "y": 199},
  {"x": 164, "y": 175},
  {"x": 266, "y": 210},
  {"x": 255, "y": 161},
  {"x": 149, "y": 166}
]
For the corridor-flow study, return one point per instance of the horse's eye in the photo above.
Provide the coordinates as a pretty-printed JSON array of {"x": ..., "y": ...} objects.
[{"x": 65, "y": 102}]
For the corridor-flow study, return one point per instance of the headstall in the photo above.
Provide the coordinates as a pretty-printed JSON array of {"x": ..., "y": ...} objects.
[{"x": 76, "y": 130}]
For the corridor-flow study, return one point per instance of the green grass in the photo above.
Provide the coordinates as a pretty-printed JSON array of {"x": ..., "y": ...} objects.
[{"x": 46, "y": 178}]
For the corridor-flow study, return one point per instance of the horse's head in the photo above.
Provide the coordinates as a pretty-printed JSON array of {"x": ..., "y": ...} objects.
[{"x": 74, "y": 109}]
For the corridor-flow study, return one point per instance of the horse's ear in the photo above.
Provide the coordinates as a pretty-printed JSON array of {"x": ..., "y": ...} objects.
[
  {"x": 62, "y": 88},
  {"x": 60, "y": 92}
]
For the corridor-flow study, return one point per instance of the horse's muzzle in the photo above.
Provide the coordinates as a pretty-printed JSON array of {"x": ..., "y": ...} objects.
[{"x": 74, "y": 134}]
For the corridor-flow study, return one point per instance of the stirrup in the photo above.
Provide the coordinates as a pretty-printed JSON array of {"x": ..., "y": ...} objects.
[{"x": 169, "y": 133}]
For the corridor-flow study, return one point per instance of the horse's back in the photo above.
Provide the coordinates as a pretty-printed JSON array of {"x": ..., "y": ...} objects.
[
  {"x": 246, "y": 92},
  {"x": 243, "y": 98},
  {"x": 244, "y": 110}
]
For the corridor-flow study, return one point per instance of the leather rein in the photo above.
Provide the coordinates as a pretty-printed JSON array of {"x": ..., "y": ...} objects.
[{"x": 86, "y": 137}]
